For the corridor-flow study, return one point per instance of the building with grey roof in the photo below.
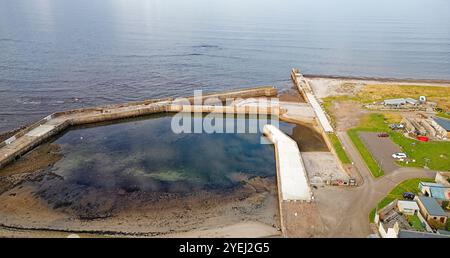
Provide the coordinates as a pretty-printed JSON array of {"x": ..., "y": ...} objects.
[
  {"x": 437, "y": 191},
  {"x": 394, "y": 102},
  {"x": 400, "y": 102},
  {"x": 432, "y": 212}
]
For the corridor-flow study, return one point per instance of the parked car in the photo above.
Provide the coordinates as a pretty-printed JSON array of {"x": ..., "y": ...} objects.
[
  {"x": 422, "y": 138},
  {"x": 408, "y": 195},
  {"x": 399, "y": 155},
  {"x": 396, "y": 126},
  {"x": 383, "y": 135}
]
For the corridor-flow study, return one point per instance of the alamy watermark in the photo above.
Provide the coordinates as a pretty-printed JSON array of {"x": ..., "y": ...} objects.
[{"x": 210, "y": 114}]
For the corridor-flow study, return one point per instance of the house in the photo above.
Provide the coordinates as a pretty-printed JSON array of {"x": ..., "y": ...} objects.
[
  {"x": 434, "y": 190},
  {"x": 444, "y": 124},
  {"x": 408, "y": 207},
  {"x": 389, "y": 221},
  {"x": 424, "y": 187},
  {"x": 431, "y": 211},
  {"x": 392, "y": 220}
]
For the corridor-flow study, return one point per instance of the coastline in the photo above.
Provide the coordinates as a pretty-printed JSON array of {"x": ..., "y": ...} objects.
[
  {"x": 370, "y": 79},
  {"x": 217, "y": 227},
  {"x": 289, "y": 95}
]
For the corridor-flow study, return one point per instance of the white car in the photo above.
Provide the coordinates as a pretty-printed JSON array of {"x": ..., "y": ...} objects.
[{"x": 399, "y": 155}]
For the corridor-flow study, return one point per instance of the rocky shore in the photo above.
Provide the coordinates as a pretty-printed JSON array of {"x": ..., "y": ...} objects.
[{"x": 25, "y": 205}]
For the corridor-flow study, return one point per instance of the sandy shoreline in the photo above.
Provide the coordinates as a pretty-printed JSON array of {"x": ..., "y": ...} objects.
[{"x": 338, "y": 86}]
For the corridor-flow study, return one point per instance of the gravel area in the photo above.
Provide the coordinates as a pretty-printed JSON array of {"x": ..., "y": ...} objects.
[{"x": 323, "y": 165}]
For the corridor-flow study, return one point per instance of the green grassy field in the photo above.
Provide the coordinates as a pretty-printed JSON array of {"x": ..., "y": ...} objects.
[
  {"x": 434, "y": 155},
  {"x": 410, "y": 185},
  {"x": 339, "y": 149}
]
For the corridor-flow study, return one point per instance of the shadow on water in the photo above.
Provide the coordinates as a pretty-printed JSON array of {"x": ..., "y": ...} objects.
[{"x": 308, "y": 139}]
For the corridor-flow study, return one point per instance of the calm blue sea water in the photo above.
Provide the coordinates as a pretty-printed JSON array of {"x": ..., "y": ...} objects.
[{"x": 61, "y": 54}]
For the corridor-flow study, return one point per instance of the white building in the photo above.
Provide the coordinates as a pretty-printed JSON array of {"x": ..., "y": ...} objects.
[{"x": 408, "y": 207}]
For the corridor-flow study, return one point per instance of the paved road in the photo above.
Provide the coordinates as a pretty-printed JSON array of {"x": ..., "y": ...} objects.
[{"x": 345, "y": 211}]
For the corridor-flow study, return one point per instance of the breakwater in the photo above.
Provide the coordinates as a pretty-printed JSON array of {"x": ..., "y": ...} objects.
[{"x": 51, "y": 125}]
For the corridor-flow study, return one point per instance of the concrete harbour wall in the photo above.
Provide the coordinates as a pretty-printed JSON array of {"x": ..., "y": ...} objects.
[{"x": 53, "y": 124}]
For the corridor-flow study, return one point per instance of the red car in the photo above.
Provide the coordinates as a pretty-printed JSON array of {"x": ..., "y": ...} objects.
[
  {"x": 422, "y": 138},
  {"x": 383, "y": 135}
]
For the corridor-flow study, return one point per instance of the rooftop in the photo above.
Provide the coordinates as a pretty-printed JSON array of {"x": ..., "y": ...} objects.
[
  {"x": 432, "y": 206},
  {"x": 391, "y": 216},
  {"x": 417, "y": 234},
  {"x": 411, "y": 100},
  {"x": 437, "y": 191},
  {"x": 445, "y": 123},
  {"x": 432, "y": 184},
  {"x": 440, "y": 193},
  {"x": 394, "y": 101},
  {"x": 412, "y": 205},
  {"x": 444, "y": 232}
]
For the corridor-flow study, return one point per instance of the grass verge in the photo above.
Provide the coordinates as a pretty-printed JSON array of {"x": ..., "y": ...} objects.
[
  {"x": 371, "y": 163},
  {"x": 339, "y": 149}
]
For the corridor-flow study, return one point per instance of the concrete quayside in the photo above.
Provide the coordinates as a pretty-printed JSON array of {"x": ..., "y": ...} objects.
[
  {"x": 308, "y": 94},
  {"x": 293, "y": 179}
]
